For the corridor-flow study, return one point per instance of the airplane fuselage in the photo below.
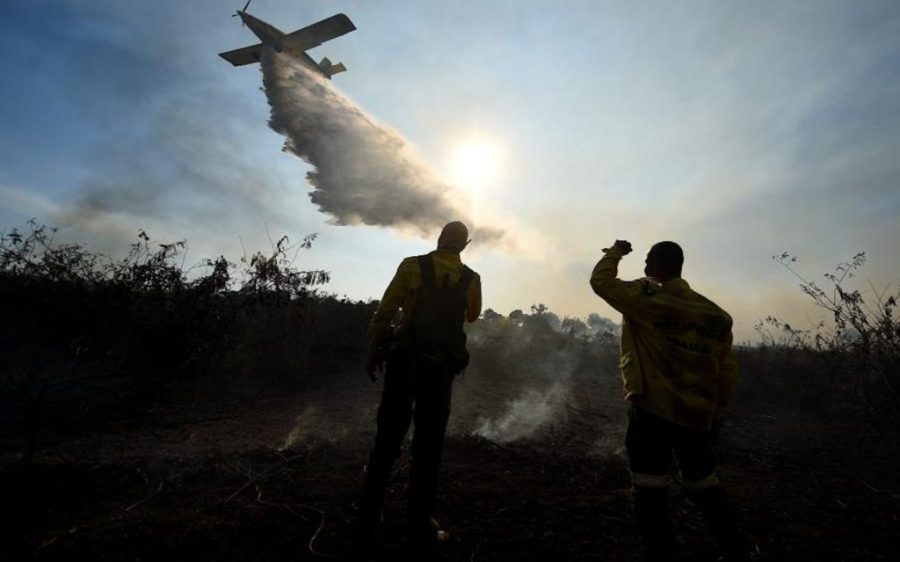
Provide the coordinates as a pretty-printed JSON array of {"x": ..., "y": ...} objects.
[
  {"x": 295, "y": 44},
  {"x": 267, "y": 33},
  {"x": 270, "y": 36}
]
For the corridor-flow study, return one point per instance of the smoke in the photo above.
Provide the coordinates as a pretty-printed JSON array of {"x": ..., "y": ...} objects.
[
  {"x": 520, "y": 385},
  {"x": 188, "y": 170},
  {"x": 303, "y": 425},
  {"x": 319, "y": 421},
  {"x": 364, "y": 172},
  {"x": 525, "y": 415}
]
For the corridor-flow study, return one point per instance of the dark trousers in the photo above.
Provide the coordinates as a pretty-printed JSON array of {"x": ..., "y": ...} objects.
[
  {"x": 650, "y": 442},
  {"x": 415, "y": 389}
]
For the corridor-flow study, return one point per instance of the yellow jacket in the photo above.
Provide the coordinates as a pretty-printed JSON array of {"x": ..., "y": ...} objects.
[
  {"x": 403, "y": 288},
  {"x": 676, "y": 358}
]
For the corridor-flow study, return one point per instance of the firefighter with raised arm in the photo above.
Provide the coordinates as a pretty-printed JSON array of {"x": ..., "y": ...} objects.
[
  {"x": 436, "y": 293},
  {"x": 679, "y": 374}
]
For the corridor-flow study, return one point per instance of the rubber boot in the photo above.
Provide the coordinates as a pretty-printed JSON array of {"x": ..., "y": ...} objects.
[
  {"x": 420, "y": 542},
  {"x": 366, "y": 544},
  {"x": 654, "y": 529},
  {"x": 713, "y": 504},
  {"x": 370, "y": 516},
  {"x": 371, "y": 504}
]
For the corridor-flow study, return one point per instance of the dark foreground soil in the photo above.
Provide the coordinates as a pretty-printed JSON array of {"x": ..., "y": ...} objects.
[{"x": 215, "y": 477}]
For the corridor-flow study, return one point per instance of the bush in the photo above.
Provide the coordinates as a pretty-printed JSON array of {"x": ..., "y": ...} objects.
[
  {"x": 98, "y": 334},
  {"x": 856, "y": 351}
]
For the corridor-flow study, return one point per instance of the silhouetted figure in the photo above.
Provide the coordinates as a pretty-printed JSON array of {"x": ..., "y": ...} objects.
[
  {"x": 679, "y": 374},
  {"x": 436, "y": 294}
]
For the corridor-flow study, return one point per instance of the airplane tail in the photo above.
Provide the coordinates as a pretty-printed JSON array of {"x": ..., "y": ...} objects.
[{"x": 329, "y": 69}]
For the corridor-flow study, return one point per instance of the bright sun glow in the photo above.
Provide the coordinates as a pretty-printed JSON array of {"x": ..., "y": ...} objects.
[{"x": 476, "y": 163}]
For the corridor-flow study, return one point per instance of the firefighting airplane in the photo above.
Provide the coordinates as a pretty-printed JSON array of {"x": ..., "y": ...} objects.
[{"x": 295, "y": 44}]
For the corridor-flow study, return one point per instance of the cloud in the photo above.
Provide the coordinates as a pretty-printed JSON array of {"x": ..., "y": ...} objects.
[{"x": 364, "y": 172}]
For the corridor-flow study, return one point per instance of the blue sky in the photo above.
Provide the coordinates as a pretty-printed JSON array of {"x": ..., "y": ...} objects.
[{"x": 739, "y": 129}]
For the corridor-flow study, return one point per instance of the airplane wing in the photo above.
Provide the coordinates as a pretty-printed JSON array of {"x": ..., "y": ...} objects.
[
  {"x": 244, "y": 55},
  {"x": 317, "y": 33}
]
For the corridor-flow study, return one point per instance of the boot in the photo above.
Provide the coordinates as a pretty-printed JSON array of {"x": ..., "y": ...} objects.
[
  {"x": 653, "y": 527},
  {"x": 713, "y": 504},
  {"x": 366, "y": 544},
  {"x": 419, "y": 545},
  {"x": 370, "y": 516}
]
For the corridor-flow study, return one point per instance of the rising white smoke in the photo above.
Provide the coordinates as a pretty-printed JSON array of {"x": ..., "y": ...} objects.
[
  {"x": 526, "y": 414},
  {"x": 364, "y": 172},
  {"x": 318, "y": 420}
]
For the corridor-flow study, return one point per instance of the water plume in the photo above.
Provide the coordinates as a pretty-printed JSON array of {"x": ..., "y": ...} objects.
[{"x": 363, "y": 172}]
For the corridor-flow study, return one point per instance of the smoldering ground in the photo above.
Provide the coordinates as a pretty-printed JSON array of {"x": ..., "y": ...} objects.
[
  {"x": 501, "y": 413},
  {"x": 538, "y": 395},
  {"x": 531, "y": 377},
  {"x": 363, "y": 172},
  {"x": 538, "y": 402},
  {"x": 523, "y": 386},
  {"x": 525, "y": 414}
]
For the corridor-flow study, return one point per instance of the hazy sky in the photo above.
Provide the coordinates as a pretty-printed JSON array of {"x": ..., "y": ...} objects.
[{"x": 739, "y": 129}]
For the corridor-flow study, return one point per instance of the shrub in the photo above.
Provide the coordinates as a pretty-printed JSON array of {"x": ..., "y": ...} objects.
[
  {"x": 100, "y": 334},
  {"x": 857, "y": 350}
]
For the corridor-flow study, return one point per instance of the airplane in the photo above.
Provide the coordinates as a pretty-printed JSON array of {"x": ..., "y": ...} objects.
[{"x": 295, "y": 44}]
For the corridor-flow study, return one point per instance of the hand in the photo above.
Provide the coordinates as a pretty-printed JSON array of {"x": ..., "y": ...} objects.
[
  {"x": 715, "y": 431},
  {"x": 624, "y": 246},
  {"x": 374, "y": 366}
]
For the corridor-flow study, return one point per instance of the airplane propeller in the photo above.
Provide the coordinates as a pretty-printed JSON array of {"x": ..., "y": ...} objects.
[{"x": 239, "y": 12}]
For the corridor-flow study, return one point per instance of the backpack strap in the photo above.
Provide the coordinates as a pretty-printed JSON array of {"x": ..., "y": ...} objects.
[
  {"x": 426, "y": 266},
  {"x": 465, "y": 279}
]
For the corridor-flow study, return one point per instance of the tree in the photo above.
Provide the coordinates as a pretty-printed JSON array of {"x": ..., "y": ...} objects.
[
  {"x": 574, "y": 327},
  {"x": 538, "y": 309},
  {"x": 490, "y": 315},
  {"x": 599, "y": 325}
]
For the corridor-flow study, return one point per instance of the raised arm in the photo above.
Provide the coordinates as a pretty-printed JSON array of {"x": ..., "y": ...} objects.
[{"x": 624, "y": 296}]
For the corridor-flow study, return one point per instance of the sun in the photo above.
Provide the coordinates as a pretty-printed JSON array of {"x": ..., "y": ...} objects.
[{"x": 476, "y": 163}]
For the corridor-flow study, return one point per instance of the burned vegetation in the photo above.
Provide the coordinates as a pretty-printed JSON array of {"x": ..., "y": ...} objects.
[{"x": 156, "y": 411}]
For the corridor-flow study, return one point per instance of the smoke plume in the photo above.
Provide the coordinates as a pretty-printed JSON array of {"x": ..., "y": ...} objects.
[
  {"x": 525, "y": 415},
  {"x": 364, "y": 172}
]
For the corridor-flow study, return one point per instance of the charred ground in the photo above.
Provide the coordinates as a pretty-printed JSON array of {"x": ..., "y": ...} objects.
[{"x": 148, "y": 416}]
